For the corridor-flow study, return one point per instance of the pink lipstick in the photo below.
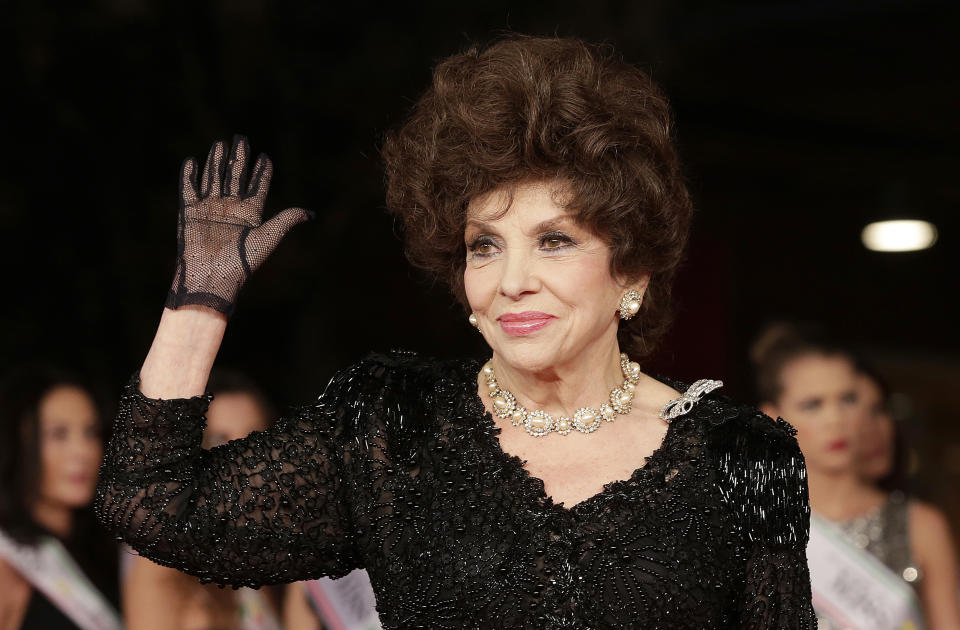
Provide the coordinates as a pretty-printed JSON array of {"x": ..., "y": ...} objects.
[
  {"x": 518, "y": 324},
  {"x": 838, "y": 445}
]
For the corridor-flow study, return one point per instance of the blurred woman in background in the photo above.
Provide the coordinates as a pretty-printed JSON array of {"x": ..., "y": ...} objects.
[
  {"x": 880, "y": 450},
  {"x": 160, "y": 598},
  {"x": 876, "y": 559},
  {"x": 57, "y": 570}
]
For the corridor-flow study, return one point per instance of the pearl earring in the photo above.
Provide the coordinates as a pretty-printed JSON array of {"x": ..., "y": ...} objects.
[
  {"x": 630, "y": 304},
  {"x": 473, "y": 321}
]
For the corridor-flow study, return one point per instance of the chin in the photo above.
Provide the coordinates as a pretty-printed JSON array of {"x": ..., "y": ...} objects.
[
  {"x": 836, "y": 463},
  {"x": 529, "y": 357},
  {"x": 879, "y": 472},
  {"x": 77, "y": 498}
]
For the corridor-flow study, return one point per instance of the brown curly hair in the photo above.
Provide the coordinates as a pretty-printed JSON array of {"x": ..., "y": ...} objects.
[{"x": 528, "y": 108}]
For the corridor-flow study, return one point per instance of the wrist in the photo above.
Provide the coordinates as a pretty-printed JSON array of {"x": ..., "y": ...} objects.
[{"x": 183, "y": 352}]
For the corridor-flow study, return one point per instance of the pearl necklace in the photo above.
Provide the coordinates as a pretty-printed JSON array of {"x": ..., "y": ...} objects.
[{"x": 587, "y": 419}]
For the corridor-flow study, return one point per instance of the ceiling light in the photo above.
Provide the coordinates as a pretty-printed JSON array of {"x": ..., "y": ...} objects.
[{"x": 899, "y": 236}]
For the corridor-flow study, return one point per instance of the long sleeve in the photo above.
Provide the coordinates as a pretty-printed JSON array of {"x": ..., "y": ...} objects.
[
  {"x": 777, "y": 589},
  {"x": 764, "y": 477},
  {"x": 265, "y": 509}
]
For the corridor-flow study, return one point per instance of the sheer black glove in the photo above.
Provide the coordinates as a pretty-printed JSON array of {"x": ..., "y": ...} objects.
[{"x": 220, "y": 240}]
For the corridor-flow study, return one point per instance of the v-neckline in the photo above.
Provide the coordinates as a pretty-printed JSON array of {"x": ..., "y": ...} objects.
[{"x": 492, "y": 432}]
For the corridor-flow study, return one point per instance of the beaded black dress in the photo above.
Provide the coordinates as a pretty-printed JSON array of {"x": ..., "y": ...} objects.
[{"x": 397, "y": 468}]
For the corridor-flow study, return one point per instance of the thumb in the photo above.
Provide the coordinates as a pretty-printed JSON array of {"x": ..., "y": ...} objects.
[{"x": 263, "y": 239}]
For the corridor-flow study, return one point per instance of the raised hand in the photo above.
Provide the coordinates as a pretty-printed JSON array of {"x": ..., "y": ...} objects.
[{"x": 220, "y": 238}]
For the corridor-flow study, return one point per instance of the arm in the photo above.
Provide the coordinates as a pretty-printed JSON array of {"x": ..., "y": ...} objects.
[
  {"x": 260, "y": 510},
  {"x": 152, "y": 596},
  {"x": 15, "y": 595},
  {"x": 777, "y": 589},
  {"x": 297, "y": 613},
  {"x": 220, "y": 242},
  {"x": 934, "y": 550},
  {"x": 269, "y": 508},
  {"x": 183, "y": 351},
  {"x": 763, "y": 476}
]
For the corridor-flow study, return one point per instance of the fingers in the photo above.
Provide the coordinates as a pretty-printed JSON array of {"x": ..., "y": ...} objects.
[
  {"x": 260, "y": 179},
  {"x": 188, "y": 182},
  {"x": 236, "y": 167},
  {"x": 213, "y": 171},
  {"x": 269, "y": 235}
]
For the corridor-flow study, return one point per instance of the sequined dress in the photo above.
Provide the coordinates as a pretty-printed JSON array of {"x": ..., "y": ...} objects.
[
  {"x": 884, "y": 533},
  {"x": 397, "y": 468}
]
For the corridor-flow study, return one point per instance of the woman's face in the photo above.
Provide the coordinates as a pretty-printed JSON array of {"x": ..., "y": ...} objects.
[
  {"x": 875, "y": 440},
  {"x": 70, "y": 446},
  {"x": 819, "y": 398},
  {"x": 231, "y": 416},
  {"x": 538, "y": 283}
]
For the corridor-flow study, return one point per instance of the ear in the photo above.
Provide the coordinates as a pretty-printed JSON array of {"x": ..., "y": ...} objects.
[{"x": 638, "y": 283}]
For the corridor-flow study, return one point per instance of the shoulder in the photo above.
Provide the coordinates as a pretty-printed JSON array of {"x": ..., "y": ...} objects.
[
  {"x": 395, "y": 393},
  {"x": 934, "y": 552},
  {"x": 398, "y": 374},
  {"x": 11, "y": 580},
  {"x": 760, "y": 470},
  {"x": 14, "y": 590},
  {"x": 8, "y": 575},
  {"x": 924, "y": 516},
  {"x": 726, "y": 421},
  {"x": 746, "y": 429}
]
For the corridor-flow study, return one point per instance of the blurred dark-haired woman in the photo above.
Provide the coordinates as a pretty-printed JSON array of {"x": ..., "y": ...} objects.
[
  {"x": 880, "y": 448},
  {"x": 868, "y": 547},
  {"x": 57, "y": 571}
]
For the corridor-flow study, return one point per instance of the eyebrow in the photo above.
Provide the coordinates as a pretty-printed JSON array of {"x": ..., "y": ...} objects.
[
  {"x": 477, "y": 223},
  {"x": 550, "y": 224},
  {"x": 543, "y": 226}
]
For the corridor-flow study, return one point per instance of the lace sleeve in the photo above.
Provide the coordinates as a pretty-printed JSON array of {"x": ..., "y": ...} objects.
[
  {"x": 765, "y": 483},
  {"x": 266, "y": 509}
]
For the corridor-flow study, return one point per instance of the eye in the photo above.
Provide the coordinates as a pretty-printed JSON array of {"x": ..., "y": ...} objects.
[
  {"x": 58, "y": 433},
  {"x": 810, "y": 404},
  {"x": 553, "y": 241},
  {"x": 482, "y": 247},
  {"x": 849, "y": 398}
]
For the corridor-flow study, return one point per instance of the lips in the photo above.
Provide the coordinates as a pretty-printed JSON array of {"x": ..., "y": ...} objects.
[
  {"x": 525, "y": 323},
  {"x": 80, "y": 478},
  {"x": 838, "y": 445}
]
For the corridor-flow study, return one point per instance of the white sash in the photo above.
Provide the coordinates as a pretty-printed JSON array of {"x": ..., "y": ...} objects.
[
  {"x": 51, "y": 570},
  {"x": 852, "y": 589},
  {"x": 345, "y": 604}
]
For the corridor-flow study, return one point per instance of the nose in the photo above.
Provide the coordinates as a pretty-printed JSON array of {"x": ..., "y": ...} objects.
[
  {"x": 840, "y": 418},
  {"x": 84, "y": 448},
  {"x": 519, "y": 275}
]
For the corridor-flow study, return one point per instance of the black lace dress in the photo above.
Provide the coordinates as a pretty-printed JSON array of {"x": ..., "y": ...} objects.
[{"x": 397, "y": 468}]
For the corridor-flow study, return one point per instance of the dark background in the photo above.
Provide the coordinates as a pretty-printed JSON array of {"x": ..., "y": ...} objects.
[{"x": 799, "y": 122}]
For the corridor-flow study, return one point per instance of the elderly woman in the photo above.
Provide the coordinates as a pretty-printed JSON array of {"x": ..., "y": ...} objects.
[{"x": 554, "y": 485}]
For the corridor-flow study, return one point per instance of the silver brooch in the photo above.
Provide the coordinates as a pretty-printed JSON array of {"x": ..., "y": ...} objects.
[{"x": 679, "y": 406}]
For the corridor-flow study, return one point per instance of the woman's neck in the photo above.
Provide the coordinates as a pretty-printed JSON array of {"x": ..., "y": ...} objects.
[
  {"x": 55, "y": 518},
  {"x": 563, "y": 389},
  {"x": 841, "y": 495}
]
